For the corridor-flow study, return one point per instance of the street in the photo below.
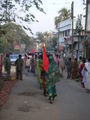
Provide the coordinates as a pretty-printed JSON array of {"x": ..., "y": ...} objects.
[{"x": 26, "y": 101}]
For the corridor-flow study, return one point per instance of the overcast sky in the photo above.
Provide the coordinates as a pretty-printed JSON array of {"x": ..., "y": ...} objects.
[{"x": 51, "y": 7}]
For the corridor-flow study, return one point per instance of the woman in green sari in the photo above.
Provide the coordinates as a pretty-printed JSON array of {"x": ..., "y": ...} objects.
[
  {"x": 52, "y": 76},
  {"x": 39, "y": 67}
]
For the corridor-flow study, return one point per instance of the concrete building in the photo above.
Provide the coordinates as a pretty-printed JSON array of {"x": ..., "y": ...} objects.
[{"x": 65, "y": 37}]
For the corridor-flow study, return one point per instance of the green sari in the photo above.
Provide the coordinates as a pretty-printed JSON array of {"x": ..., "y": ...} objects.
[
  {"x": 52, "y": 77},
  {"x": 39, "y": 66}
]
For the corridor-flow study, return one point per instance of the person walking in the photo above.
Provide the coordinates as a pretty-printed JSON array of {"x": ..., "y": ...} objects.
[
  {"x": 86, "y": 76},
  {"x": 39, "y": 68},
  {"x": 56, "y": 58},
  {"x": 61, "y": 66},
  {"x": 80, "y": 61},
  {"x": 52, "y": 76},
  {"x": 7, "y": 65},
  {"x": 74, "y": 69},
  {"x": 44, "y": 69},
  {"x": 82, "y": 65},
  {"x": 69, "y": 68},
  {"x": 43, "y": 81},
  {"x": 33, "y": 64},
  {"x": 19, "y": 68},
  {"x": 28, "y": 64}
]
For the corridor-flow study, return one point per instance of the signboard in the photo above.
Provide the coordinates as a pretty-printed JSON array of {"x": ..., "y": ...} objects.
[
  {"x": 88, "y": 18},
  {"x": 16, "y": 47}
]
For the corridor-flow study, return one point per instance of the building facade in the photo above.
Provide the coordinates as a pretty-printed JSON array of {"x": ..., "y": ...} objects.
[{"x": 65, "y": 38}]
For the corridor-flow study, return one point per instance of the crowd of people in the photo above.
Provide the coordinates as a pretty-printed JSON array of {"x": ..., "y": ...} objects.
[
  {"x": 75, "y": 70},
  {"x": 79, "y": 70},
  {"x": 51, "y": 69}
]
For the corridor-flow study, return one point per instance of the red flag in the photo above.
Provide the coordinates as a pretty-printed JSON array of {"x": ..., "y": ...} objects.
[{"x": 45, "y": 60}]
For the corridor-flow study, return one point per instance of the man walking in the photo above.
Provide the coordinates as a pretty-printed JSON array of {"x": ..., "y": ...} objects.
[
  {"x": 69, "y": 68},
  {"x": 19, "y": 67},
  {"x": 7, "y": 65}
]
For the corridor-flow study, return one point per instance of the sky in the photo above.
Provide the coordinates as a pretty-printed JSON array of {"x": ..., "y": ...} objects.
[{"x": 51, "y": 7}]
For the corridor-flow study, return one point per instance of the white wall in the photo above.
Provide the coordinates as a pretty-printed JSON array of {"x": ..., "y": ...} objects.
[{"x": 65, "y": 25}]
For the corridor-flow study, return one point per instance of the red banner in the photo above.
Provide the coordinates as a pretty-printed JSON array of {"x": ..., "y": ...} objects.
[{"x": 45, "y": 60}]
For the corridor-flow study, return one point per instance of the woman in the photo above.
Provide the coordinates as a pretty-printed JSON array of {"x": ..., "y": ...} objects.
[
  {"x": 33, "y": 64},
  {"x": 7, "y": 65},
  {"x": 69, "y": 68},
  {"x": 28, "y": 64},
  {"x": 52, "y": 77},
  {"x": 74, "y": 69},
  {"x": 61, "y": 65},
  {"x": 82, "y": 65},
  {"x": 39, "y": 66},
  {"x": 87, "y": 76}
]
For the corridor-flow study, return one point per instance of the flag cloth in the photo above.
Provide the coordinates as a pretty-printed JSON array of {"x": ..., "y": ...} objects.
[{"x": 45, "y": 60}]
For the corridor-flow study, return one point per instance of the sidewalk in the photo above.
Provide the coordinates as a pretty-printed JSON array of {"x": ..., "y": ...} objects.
[
  {"x": 6, "y": 86},
  {"x": 5, "y": 90}
]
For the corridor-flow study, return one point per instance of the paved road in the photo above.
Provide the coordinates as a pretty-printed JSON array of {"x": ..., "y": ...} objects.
[{"x": 26, "y": 102}]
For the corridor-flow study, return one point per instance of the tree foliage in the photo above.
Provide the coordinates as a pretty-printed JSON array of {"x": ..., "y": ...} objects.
[
  {"x": 13, "y": 34},
  {"x": 13, "y": 10},
  {"x": 6, "y": 7},
  {"x": 4, "y": 45},
  {"x": 63, "y": 15},
  {"x": 79, "y": 26},
  {"x": 42, "y": 36},
  {"x": 55, "y": 40},
  {"x": 48, "y": 38}
]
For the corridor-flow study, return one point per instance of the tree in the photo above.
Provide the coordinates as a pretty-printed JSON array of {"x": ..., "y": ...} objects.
[
  {"x": 55, "y": 40},
  {"x": 4, "y": 45},
  {"x": 79, "y": 26},
  {"x": 40, "y": 37},
  {"x": 14, "y": 34},
  {"x": 63, "y": 15},
  {"x": 6, "y": 7},
  {"x": 43, "y": 37},
  {"x": 10, "y": 12}
]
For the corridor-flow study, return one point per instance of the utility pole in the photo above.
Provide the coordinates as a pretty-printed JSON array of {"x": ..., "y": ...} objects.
[
  {"x": 72, "y": 11},
  {"x": 88, "y": 29},
  {"x": 85, "y": 29}
]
